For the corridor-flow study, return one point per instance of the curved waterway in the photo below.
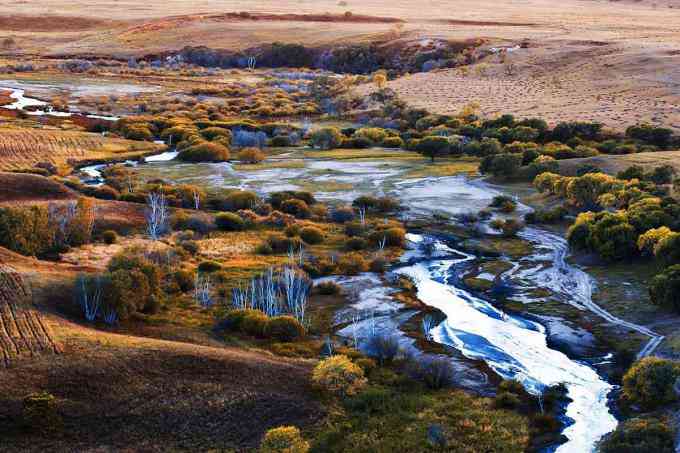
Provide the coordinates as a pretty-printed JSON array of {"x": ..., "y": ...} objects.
[
  {"x": 40, "y": 108},
  {"x": 514, "y": 347}
]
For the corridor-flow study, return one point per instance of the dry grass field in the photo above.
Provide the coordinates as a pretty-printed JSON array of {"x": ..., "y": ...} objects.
[
  {"x": 587, "y": 60},
  {"x": 614, "y": 164},
  {"x": 23, "y": 148}
]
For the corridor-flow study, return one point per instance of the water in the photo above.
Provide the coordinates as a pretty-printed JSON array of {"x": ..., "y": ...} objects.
[
  {"x": 514, "y": 347},
  {"x": 40, "y": 108}
]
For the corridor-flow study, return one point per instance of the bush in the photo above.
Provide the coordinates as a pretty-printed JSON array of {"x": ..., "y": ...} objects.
[
  {"x": 312, "y": 235},
  {"x": 338, "y": 376},
  {"x": 640, "y": 435},
  {"x": 281, "y": 141},
  {"x": 297, "y": 208},
  {"x": 285, "y": 439},
  {"x": 277, "y": 198},
  {"x": 39, "y": 413},
  {"x": 239, "y": 199},
  {"x": 378, "y": 265},
  {"x": 352, "y": 264},
  {"x": 506, "y": 400},
  {"x": 329, "y": 288},
  {"x": 393, "y": 142},
  {"x": 384, "y": 348},
  {"x": 433, "y": 146},
  {"x": 184, "y": 279},
  {"x": 293, "y": 230},
  {"x": 204, "y": 152},
  {"x": 342, "y": 214},
  {"x": 109, "y": 237},
  {"x": 664, "y": 289},
  {"x": 284, "y": 329},
  {"x": 393, "y": 237},
  {"x": 326, "y": 138},
  {"x": 355, "y": 244},
  {"x": 228, "y": 221},
  {"x": 251, "y": 156},
  {"x": 26, "y": 230},
  {"x": 282, "y": 244},
  {"x": 209, "y": 266},
  {"x": 435, "y": 372},
  {"x": 650, "y": 382}
]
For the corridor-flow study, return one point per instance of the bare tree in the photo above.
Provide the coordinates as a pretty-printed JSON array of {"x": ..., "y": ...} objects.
[{"x": 156, "y": 215}]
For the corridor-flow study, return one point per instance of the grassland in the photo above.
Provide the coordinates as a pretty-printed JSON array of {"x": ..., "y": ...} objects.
[{"x": 23, "y": 148}]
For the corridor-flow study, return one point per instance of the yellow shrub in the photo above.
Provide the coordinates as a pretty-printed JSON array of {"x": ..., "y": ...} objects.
[
  {"x": 285, "y": 439},
  {"x": 338, "y": 376}
]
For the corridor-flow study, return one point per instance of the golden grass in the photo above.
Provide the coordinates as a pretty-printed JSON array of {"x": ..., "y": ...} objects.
[
  {"x": 463, "y": 165},
  {"x": 23, "y": 148},
  {"x": 272, "y": 164}
]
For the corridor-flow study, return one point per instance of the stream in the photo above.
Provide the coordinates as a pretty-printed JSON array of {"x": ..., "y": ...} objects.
[
  {"x": 39, "y": 108},
  {"x": 513, "y": 346}
]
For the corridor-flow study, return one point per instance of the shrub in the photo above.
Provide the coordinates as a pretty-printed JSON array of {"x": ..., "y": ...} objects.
[
  {"x": 184, "y": 279},
  {"x": 435, "y": 372},
  {"x": 384, "y": 348},
  {"x": 508, "y": 228},
  {"x": 342, "y": 214},
  {"x": 279, "y": 243},
  {"x": 352, "y": 264},
  {"x": 355, "y": 244},
  {"x": 277, "y": 198},
  {"x": 328, "y": 288},
  {"x": 393, "y": 142},
  {"x": 297, "y": 208},
  {"x": 251, "y": 156},
  {"x": 204, "y": 152},
  {"x": 640, "y": 435},
  {"x": 285, "y": 439},
  {"x": 312, "y": 235},
  {"x": 228, "y": 221},
  {"x": 664, "y": 289},
  {"x": 209, "y": 266},
  {"x": 338, "y": 376},
  {"x": 284, "y": 329},
  {"x": 281, "y": 141},
  {"x": 326, "y": 138},
  {"x": 39, "y": 413},
  {"x": 650, "y": 382},
  {"x": 393, "y": 237},
  {"x": 26, "y": 230},
  {"x": 239, "y": 199},
  {"x": 378, "y": 265},
  {"x": 433, "y": 146},
  {"x": 667, "y": 250},
  {"x": 197, "y": 223},
  {"x": 506, "y": 400},
  {"x": 293, "y": 230},
  {"x": 109, "y": 237},
  {"x": 501, "y": 165},
  {"x": 254, "y": 323}
]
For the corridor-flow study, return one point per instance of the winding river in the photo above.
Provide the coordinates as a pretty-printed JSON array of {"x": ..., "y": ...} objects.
[{"x": 513, "y": 346}]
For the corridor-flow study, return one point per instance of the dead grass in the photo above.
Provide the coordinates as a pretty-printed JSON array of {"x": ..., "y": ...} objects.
[
  {"x": 614, "y": 164},
  {"x": 23, "y": 148}
]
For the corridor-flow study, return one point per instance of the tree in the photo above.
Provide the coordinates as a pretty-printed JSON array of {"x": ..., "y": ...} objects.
[
  {"x": 650, "y": 382},
  {"x": 640, "y": 435},
  {"x": 664, "y": 289},
  {"x": 326, "y": 138},
  {"x": 433, "y": 146},
  {"x": 380, "y": 79},
  {"x": 501, "y": 165},
  {"x": 156, "y": 215}
]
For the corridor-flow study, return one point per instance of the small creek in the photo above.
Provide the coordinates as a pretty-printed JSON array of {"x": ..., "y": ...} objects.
[
  {"x": 36, "y": 107},
  {"x": 515, "y": 347}
]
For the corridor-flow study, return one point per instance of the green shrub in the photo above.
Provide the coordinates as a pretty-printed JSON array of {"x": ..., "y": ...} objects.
[
  {"x": 204, "y": 152},
  {"x": 328, "y": 288},
  {"x": 238, "y": 200},
  {"x": 190, "y": 246},
  {"x": 433, "y": 146},
  {"x": 254, "y": 323},
  {"x": 285, "y": 439},
  {"x": 342, "y": 214},
  {"x": 640, "y": 435},
  {"x": 293, "y": 230},
  {"x": 39, "y": 413},
  {"x": 26, "y": 230},
  {"x": 312, "y": 235},
  {"x": 228, "y": 221},
  {"x": 355, "y": 244},
  {"x": 184, "y": 279},
  {"x": 506, "y": 400},
  {"x": 284, "y": 329},
  {"x": 393, "y": 142},
  {"x": 650, "y": 382},
  {"x": 251, "y": 156},
  {"x": 326, "y": 138},
  {"x": 209, "y": 266},
  {"x": 277, "y": 198},
  {"x": 280, "y": 141},
  {"x": 338, "y": 376},
  {"x": 109, "y": 237},
  {"x": 378, "y": 265},
  {"x": 281, "y": 244},
  {"x": 664, "y": 289}
]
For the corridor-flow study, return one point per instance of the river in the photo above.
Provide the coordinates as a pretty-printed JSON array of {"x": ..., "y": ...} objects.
[{"x": 513, "y": 346}]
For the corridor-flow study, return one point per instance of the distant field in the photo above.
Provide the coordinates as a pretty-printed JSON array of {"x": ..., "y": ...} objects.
[
  {"x": 23, "y": 148},
  {"x": 614, "y": 164}
]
